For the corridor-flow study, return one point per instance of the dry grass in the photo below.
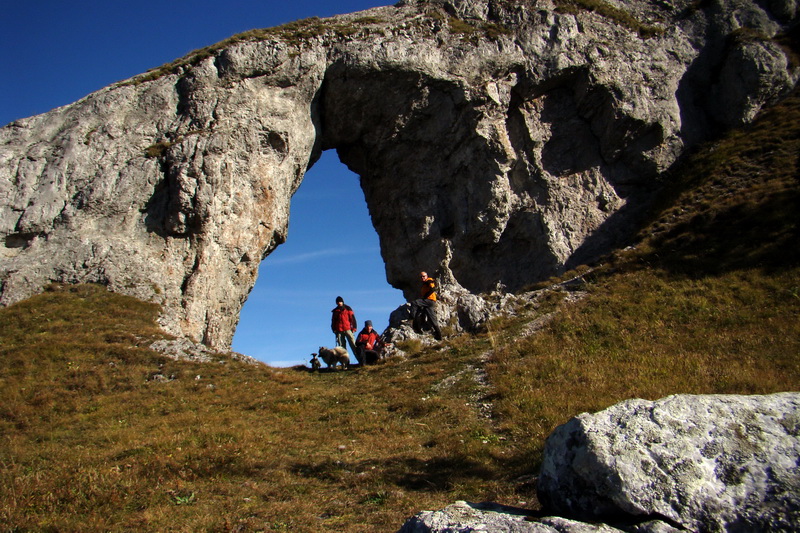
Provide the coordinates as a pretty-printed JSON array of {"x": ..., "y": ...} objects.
[
  {"x": 298, "y": 34},
  {"x": 709, "y": 302},
  {"x": 90, "y": 440}
]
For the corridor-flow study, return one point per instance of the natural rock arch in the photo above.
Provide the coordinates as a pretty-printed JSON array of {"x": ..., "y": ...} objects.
[{"x": 497, "y": 143}]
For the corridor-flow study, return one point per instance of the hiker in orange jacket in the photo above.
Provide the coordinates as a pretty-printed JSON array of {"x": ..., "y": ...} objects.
[{"x": 425, "y": 307}]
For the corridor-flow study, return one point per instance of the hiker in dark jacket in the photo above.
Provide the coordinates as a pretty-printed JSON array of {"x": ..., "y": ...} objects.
[
  {"x": 425, "y": 307},
  {"x": 343, "y": 325}
]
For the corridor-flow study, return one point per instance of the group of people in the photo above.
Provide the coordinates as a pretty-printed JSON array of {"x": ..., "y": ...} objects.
[{"x": 367, "y": 346}]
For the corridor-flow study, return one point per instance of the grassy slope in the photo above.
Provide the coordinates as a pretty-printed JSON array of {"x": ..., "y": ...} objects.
[{"x": 707, "y": 303}]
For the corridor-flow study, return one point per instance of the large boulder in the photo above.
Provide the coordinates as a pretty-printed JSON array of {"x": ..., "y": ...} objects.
[
  {"x": 720, "y": 463},
  {"x": 703, "y": 463}
]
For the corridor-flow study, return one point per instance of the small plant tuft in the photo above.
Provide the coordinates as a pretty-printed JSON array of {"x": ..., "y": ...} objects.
[
  {"x": 158, "y": 149},
  {"x": 617, "y": 15}
]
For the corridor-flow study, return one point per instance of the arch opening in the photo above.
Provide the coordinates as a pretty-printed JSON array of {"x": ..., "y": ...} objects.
[{"x": 331, "y": 250}]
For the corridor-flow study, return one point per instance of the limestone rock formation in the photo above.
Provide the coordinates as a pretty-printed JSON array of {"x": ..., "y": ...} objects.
[
  {"x": 467, "y": 517},
  {"x": 703, "y": 463},
  {"x": 683, "y": 463},
  {"x": 498, "y": 142}
]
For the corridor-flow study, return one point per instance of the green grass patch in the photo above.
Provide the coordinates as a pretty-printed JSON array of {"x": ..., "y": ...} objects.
[
  {"x": 608, "y": 11},
  {"x": 472, "y": 32},
  {"x": 296, "y": 33},
  {"x": 159, "y": 149}
]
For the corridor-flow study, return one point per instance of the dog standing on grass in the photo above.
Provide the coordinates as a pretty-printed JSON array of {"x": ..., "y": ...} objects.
[{"x": 335, "y": 356}]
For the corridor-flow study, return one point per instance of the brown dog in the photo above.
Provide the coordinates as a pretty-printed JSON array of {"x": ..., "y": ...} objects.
[{"x": 335, "y": 356}]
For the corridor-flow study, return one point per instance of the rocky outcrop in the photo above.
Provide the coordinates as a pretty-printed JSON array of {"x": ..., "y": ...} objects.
[
  {"x": 498, "y": 142},
  {"x": 683, "y": 463},
  {"x": 182, "y": 349},
  {"x": 705, "y": 463},
  {"x": 469, "y": 517}
]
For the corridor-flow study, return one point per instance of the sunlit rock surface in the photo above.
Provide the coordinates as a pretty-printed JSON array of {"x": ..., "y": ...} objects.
[
  {"x": 702, "y": 463},
  {"x": 498, "y": 143}
]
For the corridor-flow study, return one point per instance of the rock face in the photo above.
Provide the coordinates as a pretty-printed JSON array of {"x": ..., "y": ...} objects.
[
  {"x": 498, "y": 142},
  {"x": 468, "y": 517},
  {"x": 683, "y": 463},
  {"x": 703, "y": 463}
]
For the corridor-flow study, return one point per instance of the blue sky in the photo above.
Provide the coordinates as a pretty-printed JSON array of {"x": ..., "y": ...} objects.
[
  {"x": 56, "y": 52},
  {"x": 331, "y": 250}
]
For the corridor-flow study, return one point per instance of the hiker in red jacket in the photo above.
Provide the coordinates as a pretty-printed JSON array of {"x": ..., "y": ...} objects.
[
  {"x": 369, "y": 345},
  {"x": 343, "y": 325}
]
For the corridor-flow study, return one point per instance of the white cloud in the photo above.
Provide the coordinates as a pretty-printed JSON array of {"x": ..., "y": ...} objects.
[
  {"x": 318, "y": 255},
  {"x": 286, "y": 364},
  {"x": 306, "y": 257}
]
